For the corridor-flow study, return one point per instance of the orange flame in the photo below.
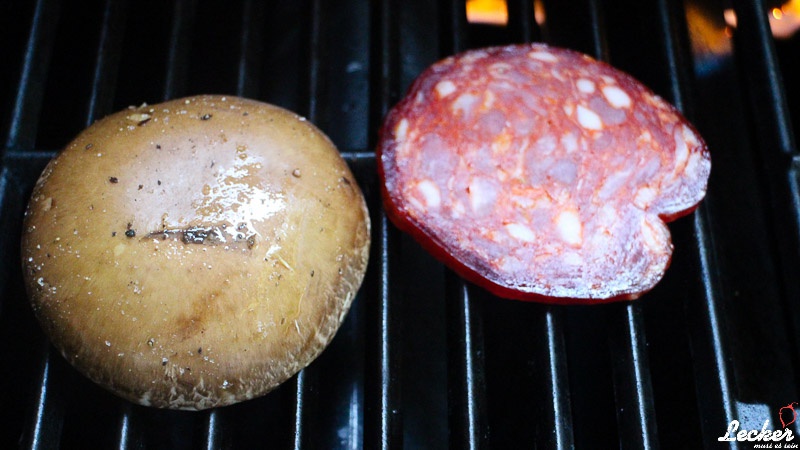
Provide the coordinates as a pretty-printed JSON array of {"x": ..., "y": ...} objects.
[{"x": 492, "y": 12}]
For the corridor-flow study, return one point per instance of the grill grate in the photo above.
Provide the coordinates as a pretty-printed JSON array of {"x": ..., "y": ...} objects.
[{"x": 425, "y": 359}]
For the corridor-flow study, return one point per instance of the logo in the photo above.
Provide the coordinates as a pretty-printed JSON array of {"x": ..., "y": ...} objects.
[
  {"x": 771, "y": 438},
  {"x": 787, "y": 408}
]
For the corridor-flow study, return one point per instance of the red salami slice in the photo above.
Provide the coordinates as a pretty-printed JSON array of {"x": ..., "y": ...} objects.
[{"x": 540, "y": 173}]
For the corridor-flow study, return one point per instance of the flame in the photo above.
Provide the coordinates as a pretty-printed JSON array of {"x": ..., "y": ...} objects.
[
  {"x": 538, "y": 12},
  {"x": 784, "y": 21},
  {"x": 709, "y": 37},
  {"x": 492, "y": 12}
]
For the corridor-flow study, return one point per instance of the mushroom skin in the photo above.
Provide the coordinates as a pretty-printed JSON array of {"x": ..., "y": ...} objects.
[{"x": 195, "y": 253}]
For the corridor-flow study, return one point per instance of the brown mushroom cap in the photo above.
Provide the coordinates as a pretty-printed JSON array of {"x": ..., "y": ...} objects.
[{"x": 195, "y": 253}]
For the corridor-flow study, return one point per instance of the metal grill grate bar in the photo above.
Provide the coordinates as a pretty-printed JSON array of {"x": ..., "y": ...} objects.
[
  {"x": 632, "y": 385},
  {"x": 28, "y": 102},
  {"x": 124, "y": 438},
  {"x": 466, "y": 383},
  {"x": 46, "y": 420},
  {"x": 467, "y": 415},
  {"x": 383, "y": 413},
  {"x": 715, "y": 402},
  {"x": 633, "y": 392},
  {"x": 521, "y": 21},
  {"x": 764, "y": 78},
  {"x": 107, "y": 61},
  {"x": 178, "y": 50},
  {"x": 561, "y": 420},
  {"x": 44, "y": 430},
  {"x": 777, "y": 150},
  {"x": 250, "y": 49},
  {"x": 213, "y": 433}
]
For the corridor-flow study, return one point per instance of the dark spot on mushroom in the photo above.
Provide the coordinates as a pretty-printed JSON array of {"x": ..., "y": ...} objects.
[
  {"x": 130, "y": 232},
  {"x": 163, "y": 362},
  {"x": 245, "y": 113},
  {"x": 205, "y": 117},
  {"x": 88, "y": 146},
  {"x": 141, "y": 186},
  {"x": 198, "y": 235},
  {"x": 205, "y": 235},
  {"x": 113, "y": 180},
  {"x": 312, "y": 273},
  {"x": 158, "y": 146},
  {"x": 159, "y": 182},
  {"x": 113, "y": 234},
  {"x": 200, "y": 350}
]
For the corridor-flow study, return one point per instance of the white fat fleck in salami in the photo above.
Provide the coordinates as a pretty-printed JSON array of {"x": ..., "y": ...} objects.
[
  {"x": 681, "y": 150},
  {"x": 401, "y": 130},
  {"x": 569, "y": 142},
  {"x": 520, "y": 232},
  {"x": 585, "y": 86},
  {"x": 445, "y": 88},
  {"x": 465, "y": 104},
  {"x": 470, "y": 57},
  {"x": 569, "y": 227},
  {"x": 616, "y": 97},
  {"x": 645, "y": 196},
  {"x": 589, "y": 119},
  {"x": 488, "y": 99},
  {"x": 655, "y": 235},
  {"x": 543, "y": 56},
  {"x": 541, "y": 174},
  {"x": 482, "y": 195},
  {"x": 430, "y": 194},
  {"x": 690, "y": 137}
]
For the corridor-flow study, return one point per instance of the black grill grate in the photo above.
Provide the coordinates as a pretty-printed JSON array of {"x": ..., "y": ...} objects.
[{"x": 425, "y": 360}]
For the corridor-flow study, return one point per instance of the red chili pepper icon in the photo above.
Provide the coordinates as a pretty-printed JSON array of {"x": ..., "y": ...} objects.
[{"x": 790, "y": 406}]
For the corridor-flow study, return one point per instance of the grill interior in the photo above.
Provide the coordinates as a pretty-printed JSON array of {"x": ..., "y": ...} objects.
[{"x": 425, "y": 360}]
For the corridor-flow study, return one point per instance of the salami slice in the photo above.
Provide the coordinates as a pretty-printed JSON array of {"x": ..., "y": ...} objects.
[{"x": 540, "y": 173}]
